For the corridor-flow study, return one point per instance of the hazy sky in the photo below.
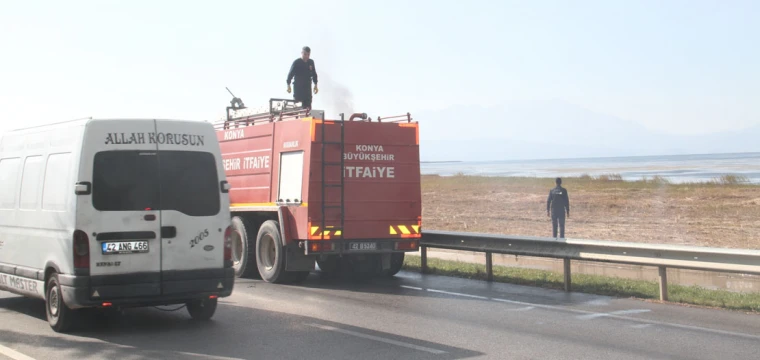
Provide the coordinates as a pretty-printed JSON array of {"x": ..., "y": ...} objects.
[{"x": 675, "y": 66}]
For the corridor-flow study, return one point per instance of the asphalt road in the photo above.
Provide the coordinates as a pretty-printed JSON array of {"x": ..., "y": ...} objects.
[{"x": 408, "y": 317}]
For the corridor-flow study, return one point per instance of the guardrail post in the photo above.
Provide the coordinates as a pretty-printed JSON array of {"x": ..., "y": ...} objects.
[
  {"x": 663, "y": 283},
  {"x": 489, "y": 266},
  {"x": 423, "y": 259},
  {"x": 568, "y": 284}
]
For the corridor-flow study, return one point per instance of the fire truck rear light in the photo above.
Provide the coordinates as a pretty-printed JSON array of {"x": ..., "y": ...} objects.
[
  {"x": 407, "y": 245},
  {"x": 321, "y": 246}
]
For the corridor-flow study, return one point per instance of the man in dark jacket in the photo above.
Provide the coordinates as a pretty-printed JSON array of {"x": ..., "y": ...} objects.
[
  {"x": 303, "y": 72},
  {"x": 556, "y": 205}
]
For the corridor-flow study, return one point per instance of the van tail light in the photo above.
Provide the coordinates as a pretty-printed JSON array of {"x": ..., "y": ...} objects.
[
  {"x": 81, "y": 250},
  {"x": 228, "y": 246}
]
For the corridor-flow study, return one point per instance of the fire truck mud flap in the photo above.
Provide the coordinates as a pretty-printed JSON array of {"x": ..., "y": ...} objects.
[{"x": 296, "y": 260}]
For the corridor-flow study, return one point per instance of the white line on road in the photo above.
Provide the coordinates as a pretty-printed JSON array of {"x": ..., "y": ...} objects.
[
  {"x": 632, "y": 311},
  {"x": 13, "y": 354},
  {"x": 641, "y": 326},
  {"x": 610, "y": 315},
  {"x": 527, "y": 308},
  {"x": 458, "y": 294},
  {"x": 621, "y": 312},
  {"x": 518, "y": 309},
  {"x": 377, "y": 338},
  {"x": 205, "y": 356},
  {"x": 411, "y": 287}
]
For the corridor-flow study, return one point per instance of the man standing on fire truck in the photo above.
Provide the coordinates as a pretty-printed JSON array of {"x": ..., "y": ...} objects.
[{"x": 304, "y": 72}]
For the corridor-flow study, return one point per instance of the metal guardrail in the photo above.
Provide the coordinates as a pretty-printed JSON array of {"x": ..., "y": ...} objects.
[{"x": 662, "y": 256}]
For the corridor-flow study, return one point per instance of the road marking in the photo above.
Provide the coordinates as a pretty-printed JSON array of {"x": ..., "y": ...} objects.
[
  {"x": 518, "y": 309},
  {"x": 13, "y": 354},
  {"x": 380, "y": 339},
  {"x": 205, "y": 356},
  {"x": 632, "y": 311},
  {"x": 610, "y": 315},
  {"x": 411, "y": 287},
  {"x": 621, "y": 312},
  {"x": 641, "y": 326},
  {"x": 458, "y": 294}
]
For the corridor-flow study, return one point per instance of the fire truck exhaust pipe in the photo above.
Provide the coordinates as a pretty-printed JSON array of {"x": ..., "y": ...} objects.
[{"x": 363, "y": 116}]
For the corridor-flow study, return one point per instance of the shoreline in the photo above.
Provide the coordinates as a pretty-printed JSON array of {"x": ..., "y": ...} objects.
[
  {"x": 724, "y": 179},
  {"x": 690, "y": 168},
  {"x": 624, "y": 157}
]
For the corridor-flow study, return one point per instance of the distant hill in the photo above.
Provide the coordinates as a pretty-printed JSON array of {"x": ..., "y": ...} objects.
[{"x": 537, "y": 130}]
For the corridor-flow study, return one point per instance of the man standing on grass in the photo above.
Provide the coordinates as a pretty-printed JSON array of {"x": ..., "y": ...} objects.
[{"x": 556, "y": 205}]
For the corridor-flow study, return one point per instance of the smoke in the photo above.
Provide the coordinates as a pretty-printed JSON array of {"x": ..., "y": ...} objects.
[
  {"x": 337, "y": 98},
  {"x": 334, "y": 97}
]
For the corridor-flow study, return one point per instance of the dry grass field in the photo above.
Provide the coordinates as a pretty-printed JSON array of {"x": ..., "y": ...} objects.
[{"x": 722, "y": 213}]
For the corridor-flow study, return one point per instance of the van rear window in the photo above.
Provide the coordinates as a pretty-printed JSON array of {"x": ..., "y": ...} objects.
[
  {"x": 189, "y": 183},
  {"x": 184, "y": 181},
  {"x": 125, "y": 181}
]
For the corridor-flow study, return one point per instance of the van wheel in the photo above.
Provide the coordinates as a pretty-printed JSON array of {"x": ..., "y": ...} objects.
[
  {"x": 59, "y": 316},
  {"x": 270, "y": 253},
  {"x": 397, "y": 262},
  {"x": 202, "y": 310},
  {"x": 243, "y": 249}
]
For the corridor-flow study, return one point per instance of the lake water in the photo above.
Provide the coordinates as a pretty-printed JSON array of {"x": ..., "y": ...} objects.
[{"x": 676, "y": 168}]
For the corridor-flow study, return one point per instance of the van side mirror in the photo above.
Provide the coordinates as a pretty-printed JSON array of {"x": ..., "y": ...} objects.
[
  {"x": 83, "y": 188},
  {"x": 225, "y": 186}
]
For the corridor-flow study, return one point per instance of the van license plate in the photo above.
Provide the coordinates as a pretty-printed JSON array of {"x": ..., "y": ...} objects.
[
  {"x": 124, "y": 247},
  {"x": 363, "y": 246}
]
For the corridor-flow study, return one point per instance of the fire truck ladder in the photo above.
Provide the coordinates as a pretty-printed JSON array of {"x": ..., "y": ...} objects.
[{"x": 337, "y": 232}]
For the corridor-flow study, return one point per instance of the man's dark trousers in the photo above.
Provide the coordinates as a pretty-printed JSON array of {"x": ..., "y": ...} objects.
[
  {"x": 558, "y": 219},
  {"x": 302, "y": 93}
]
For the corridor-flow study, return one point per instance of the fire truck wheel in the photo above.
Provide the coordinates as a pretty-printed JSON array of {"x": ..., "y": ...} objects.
[
  {"x": 397, "y": 262},
  {"x": 298, "y": 276},
  {"x": 243, "y": 249},
  {"x": 363, "y": 266},
  {"x": 270, "y": 253},
  {"x": 328, "y": 263}
]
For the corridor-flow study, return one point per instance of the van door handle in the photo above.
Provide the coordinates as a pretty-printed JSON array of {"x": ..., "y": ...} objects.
[
  {"x": 168, "y": 232},
  {"x": 150, "y": 217}
]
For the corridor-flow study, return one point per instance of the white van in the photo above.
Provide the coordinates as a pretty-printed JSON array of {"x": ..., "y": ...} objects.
[{"x": 115, "y": 213}]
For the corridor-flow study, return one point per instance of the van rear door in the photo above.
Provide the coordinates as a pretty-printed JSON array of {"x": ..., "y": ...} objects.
[
  {"x": 125, "y": 248},
  {"x": 194, "y": 214}
]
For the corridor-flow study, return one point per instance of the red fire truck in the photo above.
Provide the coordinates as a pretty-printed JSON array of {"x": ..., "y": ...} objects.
[{"x": 342, "y": 193}]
